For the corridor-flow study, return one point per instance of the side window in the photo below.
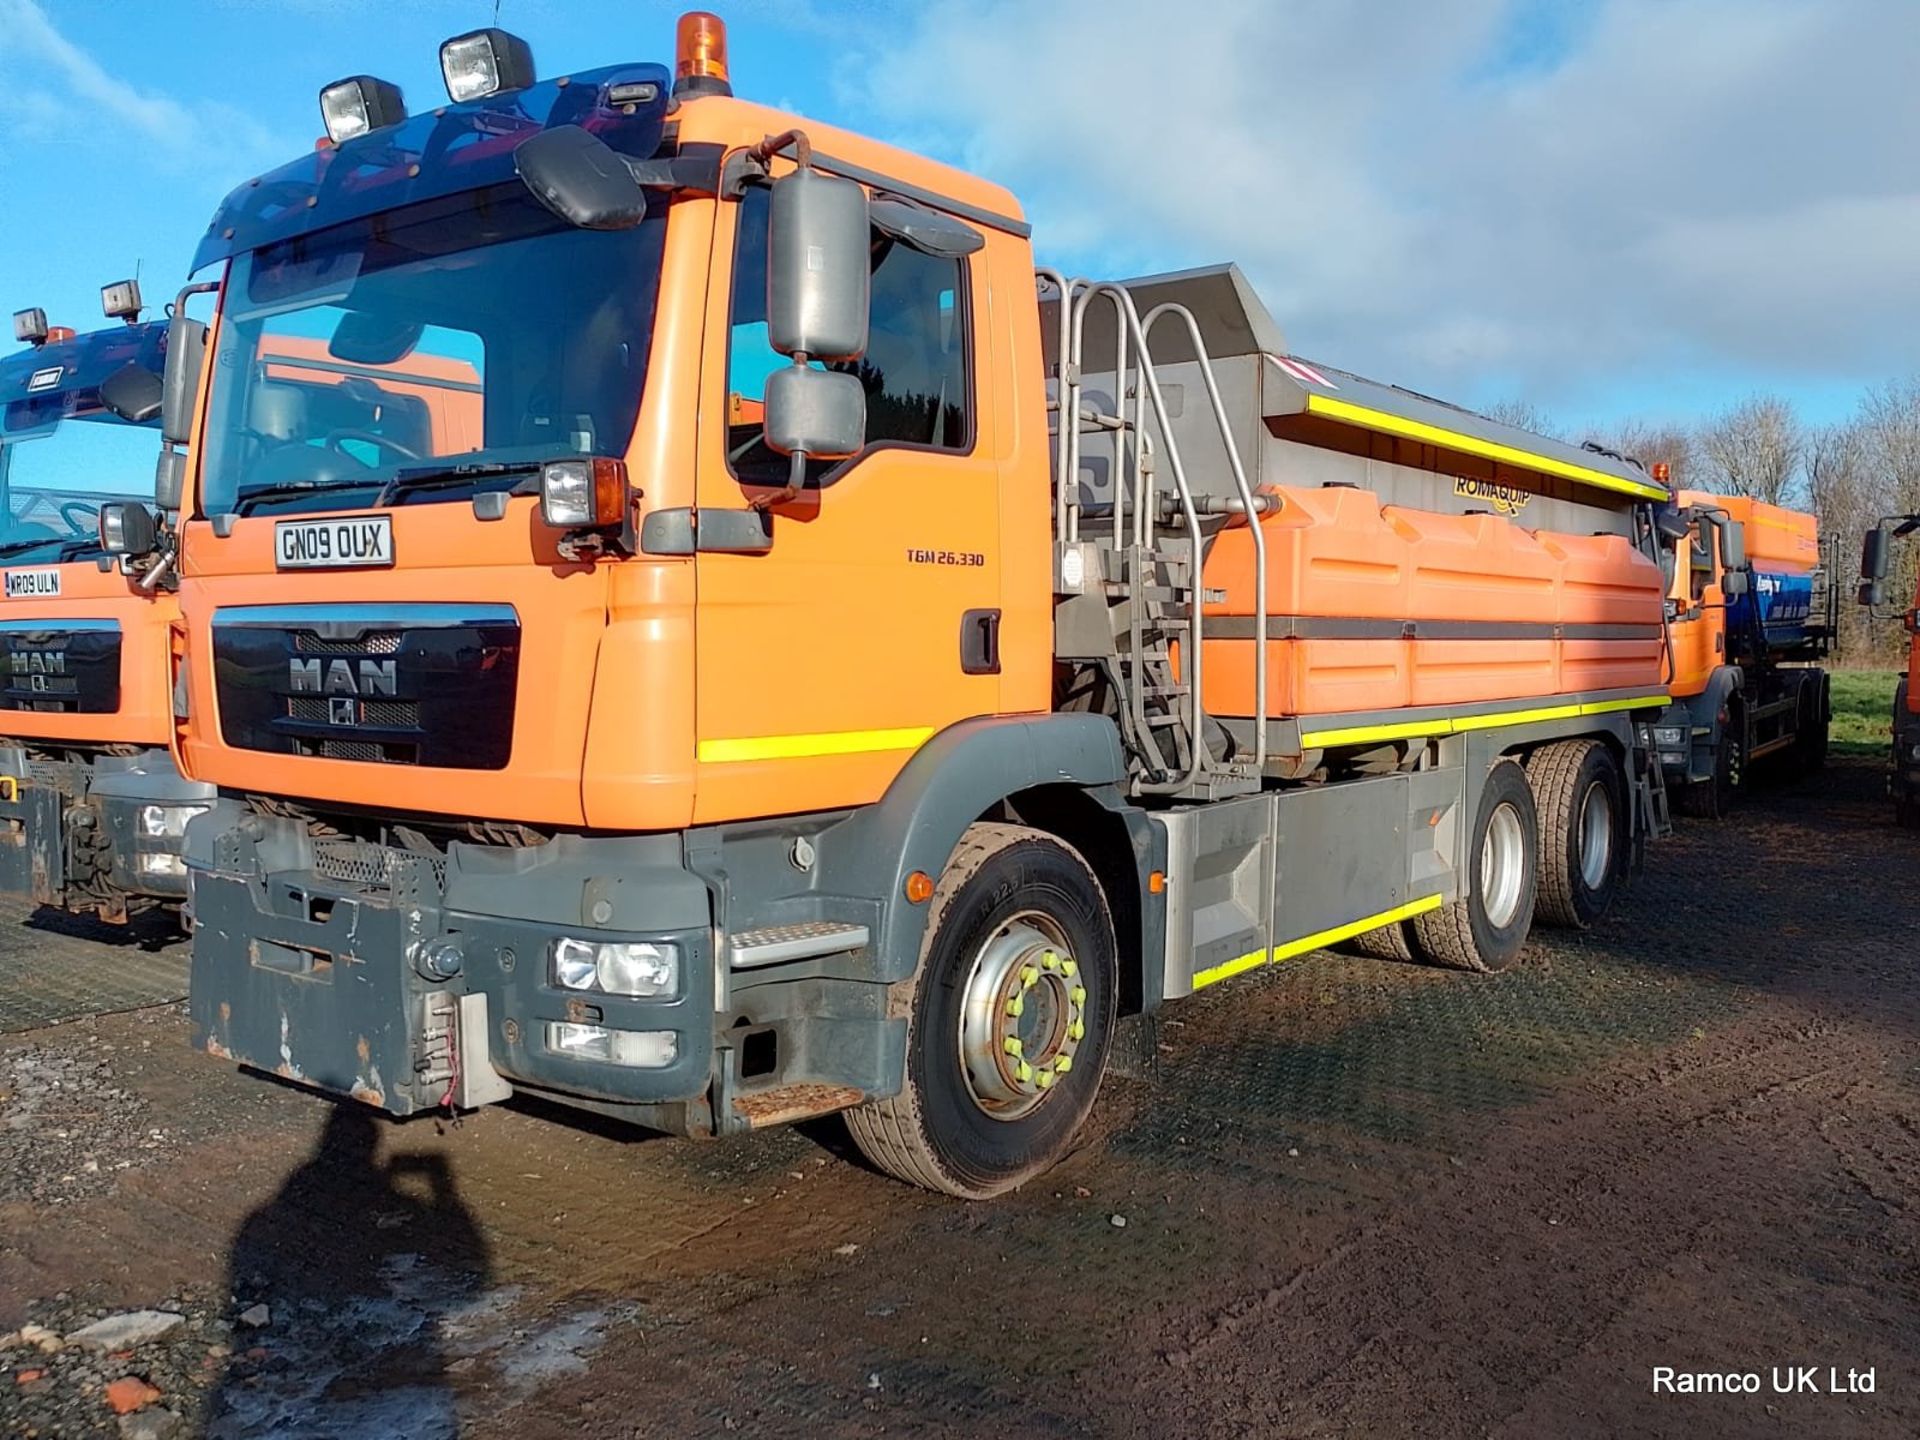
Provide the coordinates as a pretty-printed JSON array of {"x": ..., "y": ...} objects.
[{"x": 914, "y": 371}]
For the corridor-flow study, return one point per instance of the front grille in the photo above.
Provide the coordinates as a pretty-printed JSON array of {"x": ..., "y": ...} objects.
[
  {"x": 440, "y": 693},
  {"x": 381, "y": 714},
  {"x": 359, "y": 862},
  {"x": 353, "y": 750},
  {"x": 380, "y": 642}
]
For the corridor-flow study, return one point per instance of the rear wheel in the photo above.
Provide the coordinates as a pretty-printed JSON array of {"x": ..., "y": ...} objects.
[
  {"x": 1580, "y": 795},
  {"x": 1486, "y": 928},
  {"x": 1009, "y": 1018}
]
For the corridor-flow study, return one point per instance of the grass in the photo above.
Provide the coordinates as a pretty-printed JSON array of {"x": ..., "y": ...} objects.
[{"x": 1863, "y": 711}]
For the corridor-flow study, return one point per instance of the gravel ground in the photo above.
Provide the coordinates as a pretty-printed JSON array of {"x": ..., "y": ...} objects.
[{"x": 1359, "y": 1199}]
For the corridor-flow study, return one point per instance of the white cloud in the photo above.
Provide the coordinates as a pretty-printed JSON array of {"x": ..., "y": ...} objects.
[
  {"x": 53, "y": 92},
  {"x": 1690, "y": 185}
]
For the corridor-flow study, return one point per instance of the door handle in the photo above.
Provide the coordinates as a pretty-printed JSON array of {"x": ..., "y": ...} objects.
[{"x": 980, "y": 642}]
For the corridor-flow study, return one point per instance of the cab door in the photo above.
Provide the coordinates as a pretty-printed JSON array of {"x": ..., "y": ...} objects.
[{"x": 872, "y": 622}]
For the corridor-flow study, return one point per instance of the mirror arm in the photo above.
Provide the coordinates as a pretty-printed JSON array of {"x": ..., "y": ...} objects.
[
  {"x": 797, "y": 140},
  {"x": 697, "y": 174}
]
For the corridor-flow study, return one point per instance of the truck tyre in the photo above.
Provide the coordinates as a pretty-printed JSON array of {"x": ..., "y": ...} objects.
[
  {"x": 1712, "y": 799},
  {"x": 1009, "y": 1017},
  {"x": 1389, "y": 942},
  {"x": 1581, "y": 798},
  {"x": 1485, "y": 928},
  {"x": 1810, "y": 744}
]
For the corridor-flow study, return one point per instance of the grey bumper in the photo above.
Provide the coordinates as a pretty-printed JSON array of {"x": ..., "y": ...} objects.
[
  {"x": 410, "y": 980},
  {"x": 89, "y": 835}
]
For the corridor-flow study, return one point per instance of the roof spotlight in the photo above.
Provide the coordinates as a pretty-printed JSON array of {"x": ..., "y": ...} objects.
[
  {"x": 121, "y": 300},
  {"x": 485, "y": 62},
  {"x": 30, "y": 326},
  {"x": 358, "y": 104}
]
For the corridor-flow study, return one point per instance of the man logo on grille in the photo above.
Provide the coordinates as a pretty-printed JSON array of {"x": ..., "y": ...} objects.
[{"x": 343, "y": 710}]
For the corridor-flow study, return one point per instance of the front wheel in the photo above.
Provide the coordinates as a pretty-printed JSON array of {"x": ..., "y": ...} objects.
[{"x": 1009, "y": 1017}]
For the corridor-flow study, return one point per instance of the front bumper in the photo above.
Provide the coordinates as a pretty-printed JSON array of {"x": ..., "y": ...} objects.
[
  {"x": 410, "y": 980},
  {"x": 1684, "y": 743},
  {"x": 1904, "y": 779},
  {"x": 90, "y": 835}
]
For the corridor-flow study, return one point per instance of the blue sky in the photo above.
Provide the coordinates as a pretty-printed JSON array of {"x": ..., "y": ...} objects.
[{"x": 1606, "y": 208}]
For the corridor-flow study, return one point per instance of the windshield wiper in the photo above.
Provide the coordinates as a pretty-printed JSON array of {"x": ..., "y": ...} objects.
[
  {"x": 426, "y": 477},
  {"x": 20, "y": 547},
  {"x": 243, "y": 501}
]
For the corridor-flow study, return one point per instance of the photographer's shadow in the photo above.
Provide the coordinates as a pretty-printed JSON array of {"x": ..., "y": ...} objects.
[{"x": 359, "y": 1261}]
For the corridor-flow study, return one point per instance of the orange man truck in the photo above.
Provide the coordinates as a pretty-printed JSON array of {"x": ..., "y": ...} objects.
[
  {"x": 1903, "y": 778},
  {"x": 1751, "y": 613},
  {"x": 846, "y": 671},
  {"x": 92, "y": 810}
]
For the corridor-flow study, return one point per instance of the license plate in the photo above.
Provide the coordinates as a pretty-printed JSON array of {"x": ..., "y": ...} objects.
[
  {"x": 24, "y": 583},
  {"x": 347, "y": 540}
]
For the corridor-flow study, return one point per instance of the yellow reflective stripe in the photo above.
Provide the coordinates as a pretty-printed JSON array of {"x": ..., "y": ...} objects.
[
  {"x": 1471, "y": 444},
  {"x": 804, "y": 747},
  {"x": 1317, "y": 941},
  {"x": 1355, "y": 734},
  {"x": 1518, "y": 717},
  {"x": 1639, "y": 702},
  {"x": 1458, "y": 724}
]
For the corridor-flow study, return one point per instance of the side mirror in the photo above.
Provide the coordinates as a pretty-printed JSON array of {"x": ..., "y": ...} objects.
[
  {"x": 1733, "y": 543},
  {"x": 127, "y": 528},
  {"x": 1873, "y": 593},
  {"x": 1733, "y": 584},
  {"x": 1875, "y": 553},
  {"x": 186, "y": 352},
  {"x": 1671, "y": 522},
  {"x": 819, "y": 267},
  {"x": 133, "y": 392},
  {"x": 580, "y": 178},
  {"x": 821, "y": 414},
  {"x": 170, "y": 479}
]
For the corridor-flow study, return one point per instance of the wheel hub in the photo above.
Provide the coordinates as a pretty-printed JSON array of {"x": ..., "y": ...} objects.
[{"x": 1022, "y": 1017}]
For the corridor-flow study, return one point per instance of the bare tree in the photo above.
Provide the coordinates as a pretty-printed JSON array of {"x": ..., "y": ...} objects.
[
  {"x": 1754, "y": 449},
  {"x": 1524, "y": 415},
  {"x": 1653, "y": 443}
]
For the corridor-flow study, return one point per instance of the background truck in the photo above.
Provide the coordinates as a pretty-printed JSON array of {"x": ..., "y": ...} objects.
[
  {"x": 92, "y": 809},
  {"x": 1752, "y": 610},
  {"x": 849, "y": 670},
  {"x": 1903, "y": 777}
]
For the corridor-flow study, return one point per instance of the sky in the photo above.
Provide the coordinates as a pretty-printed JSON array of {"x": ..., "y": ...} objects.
[{"x": 1605, "y": 209}]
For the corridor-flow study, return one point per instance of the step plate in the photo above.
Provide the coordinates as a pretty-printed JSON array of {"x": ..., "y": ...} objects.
[{"x": 778, "y": 943}]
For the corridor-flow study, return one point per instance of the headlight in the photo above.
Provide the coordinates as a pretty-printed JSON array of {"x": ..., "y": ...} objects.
[
  {"x": 583, "y": 494},
  {"x": 168, "y": 822},
  {"x": 642, "y": 969},
  {"x": 359, "y": 104},
  {"x": 485, "y": 62},
  {"x": 1669, "y": 735},
  {"x": 641, "y": 1049}
]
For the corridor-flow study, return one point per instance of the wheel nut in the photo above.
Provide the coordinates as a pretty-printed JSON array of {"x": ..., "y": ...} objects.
[
  {"x": 1063, "y": 1064},
  {"x": 1015, "y": 1006},
  {"x": 1011, "y": 1045},
  {"x": 1076, "y": 1030}
]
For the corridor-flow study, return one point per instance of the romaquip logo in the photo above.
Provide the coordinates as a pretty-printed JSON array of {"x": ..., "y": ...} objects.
[{"x": 1507, "y": 499}]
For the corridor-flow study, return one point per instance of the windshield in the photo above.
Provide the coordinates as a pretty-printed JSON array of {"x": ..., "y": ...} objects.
[
  {"x": 56, "y": 473},
  {"x": 425, "y": 355}
]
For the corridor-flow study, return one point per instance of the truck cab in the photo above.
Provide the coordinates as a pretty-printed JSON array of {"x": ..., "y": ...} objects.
[
  {"x": 1751, "y": 610},
  {"x": 1903, "y": 774},
  {"x": 92, "y": 809}
]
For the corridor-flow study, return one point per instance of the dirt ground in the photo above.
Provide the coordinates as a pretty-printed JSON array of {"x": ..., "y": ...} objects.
[{"x": 1358, "y": 1199}]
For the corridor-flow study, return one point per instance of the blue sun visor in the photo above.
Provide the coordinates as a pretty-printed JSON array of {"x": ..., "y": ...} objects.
[{"x": 442, "y": 152}]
